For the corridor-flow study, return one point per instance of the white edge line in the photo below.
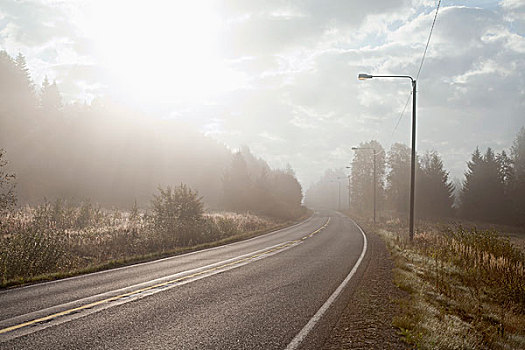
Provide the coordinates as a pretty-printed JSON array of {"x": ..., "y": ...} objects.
[
  {"x": 155, "y": 261},
  {"x": 294, "y": 344}
]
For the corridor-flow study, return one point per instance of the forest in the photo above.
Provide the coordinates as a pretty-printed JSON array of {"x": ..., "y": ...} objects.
[
  {"x": 86, "y": 187},
  {"x": 108, "y": 154},
  {"x": 493, "y": 190}
]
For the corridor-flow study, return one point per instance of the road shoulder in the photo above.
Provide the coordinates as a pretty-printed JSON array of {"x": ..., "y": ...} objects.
[{"x": 366, "y": 321}]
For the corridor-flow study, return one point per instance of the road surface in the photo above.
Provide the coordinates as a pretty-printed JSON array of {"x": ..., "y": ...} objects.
[{"x": 276, "y": 291}]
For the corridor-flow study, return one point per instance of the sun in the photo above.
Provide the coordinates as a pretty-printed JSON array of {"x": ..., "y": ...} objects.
[{"x": 160, "y": 50}]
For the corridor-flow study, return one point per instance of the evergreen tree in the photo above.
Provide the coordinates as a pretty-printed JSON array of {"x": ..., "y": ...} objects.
[
  {"x": 250, "y": 185},
  {"x": 506, "y": 173},
  {"x": 506, "y": 169},
  {"x": 16, "y": 88},
  {"x": 472, "y": 187},
  {"x": 24, "y": 78},
  {"x": 434, "y": 192},
  {"x": 398, "y": 179},
  {"x": 482, "y": 197},
  {"x": 237, "y": 185},
  {"x": 517, "y": 181},
  {"x": 50, "y": 99},
  {"x": 286, "y": 188}
]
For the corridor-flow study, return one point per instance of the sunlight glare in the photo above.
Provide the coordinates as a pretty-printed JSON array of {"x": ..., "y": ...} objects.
[{"x": 161, "y": 50}]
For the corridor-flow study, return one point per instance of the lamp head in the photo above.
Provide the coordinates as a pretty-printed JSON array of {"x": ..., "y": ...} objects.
[
  {"x": 363, "y": 76},
  {"x": 355, "y": 148}
]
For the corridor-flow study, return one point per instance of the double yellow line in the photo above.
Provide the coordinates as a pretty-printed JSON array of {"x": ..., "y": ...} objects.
[{"x": 158, "y": 285}]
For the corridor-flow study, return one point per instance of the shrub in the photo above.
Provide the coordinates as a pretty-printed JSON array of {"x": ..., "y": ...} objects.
[
  {"x": 178, "y": 215},
  {"x": 29, "y": 249}
]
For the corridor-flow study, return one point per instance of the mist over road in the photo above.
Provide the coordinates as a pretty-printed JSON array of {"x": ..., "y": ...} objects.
[{"x": 254, "y": 294}]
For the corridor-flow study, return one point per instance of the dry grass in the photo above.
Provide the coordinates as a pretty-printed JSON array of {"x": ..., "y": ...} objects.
[
  {"x": 57, "y": 239},
  {"x": 467, "y": 286}
]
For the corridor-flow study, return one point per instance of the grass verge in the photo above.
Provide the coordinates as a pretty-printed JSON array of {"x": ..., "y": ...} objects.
[{"x": 466, "y": 287}]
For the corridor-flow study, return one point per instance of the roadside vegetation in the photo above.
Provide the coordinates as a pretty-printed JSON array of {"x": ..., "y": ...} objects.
[
  {"x": 60, "y": 239},
  {"x": 466, "y": 286},
  {"x": 118, "y": 156},
  {"x": 464, "y": 271}
]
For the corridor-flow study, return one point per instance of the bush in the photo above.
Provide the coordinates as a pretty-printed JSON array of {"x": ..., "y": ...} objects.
[
  {"x": 178, "y": 215},
  {"x": 30, "y": 249}
]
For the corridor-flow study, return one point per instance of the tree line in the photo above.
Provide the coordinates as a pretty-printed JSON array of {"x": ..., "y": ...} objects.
[
  {"x": 113, "y": 155},
  {"x": 493, "y": 189}
]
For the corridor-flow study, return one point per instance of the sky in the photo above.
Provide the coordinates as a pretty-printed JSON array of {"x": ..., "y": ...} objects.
[{"x": 280, "y": 76}]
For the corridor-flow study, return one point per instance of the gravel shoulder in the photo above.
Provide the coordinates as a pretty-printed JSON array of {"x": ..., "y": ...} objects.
[{"x": 366, "y": 321}]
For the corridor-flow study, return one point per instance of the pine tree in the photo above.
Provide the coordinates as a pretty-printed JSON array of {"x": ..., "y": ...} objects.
[
  {"x": 506, "y": 169},
  {"x": 50, "y": 99},
  {"x": 433, "y": 190},
  {"x": 24, "y": 80},
  {"x": 398, "y": 179},
  {"x": 483, "y": 197},
  {"x": 16, "y": 88},
  {"x": 472, "y": 187},
  {"x": 517, "y": 182},
  {"x": 237, "y": 185}
]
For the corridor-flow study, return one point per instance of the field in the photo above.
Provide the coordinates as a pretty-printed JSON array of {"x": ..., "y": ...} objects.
[{"x": 56, "y": 240}]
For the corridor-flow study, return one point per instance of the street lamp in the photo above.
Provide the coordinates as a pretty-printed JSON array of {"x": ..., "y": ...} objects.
[
  {"x": 413, "y": 160},
  {"x": 375, "y": 181}
]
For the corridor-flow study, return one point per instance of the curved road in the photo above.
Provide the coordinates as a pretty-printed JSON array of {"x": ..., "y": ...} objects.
[{"x": 276, "y": 291}]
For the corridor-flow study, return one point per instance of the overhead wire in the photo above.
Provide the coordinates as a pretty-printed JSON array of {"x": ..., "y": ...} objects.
[
  {"x": 428, "y": 40},
  {"x": 420, "y": 65}
]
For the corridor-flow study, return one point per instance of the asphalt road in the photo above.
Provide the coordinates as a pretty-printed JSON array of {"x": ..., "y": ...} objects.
[{"x": 280, "y": 290}]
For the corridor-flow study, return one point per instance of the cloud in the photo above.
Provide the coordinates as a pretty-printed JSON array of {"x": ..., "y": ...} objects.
[
  {"x": 270, "y": 27},
  {"x": 30, "y": 23},
  {"x": 472, "y": 79}
]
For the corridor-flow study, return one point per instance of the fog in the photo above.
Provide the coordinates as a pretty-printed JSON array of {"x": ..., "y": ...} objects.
[
  {"x": 113, "y": 155},
  {"x": 162, "y": 92},
  {"x": 108, "y": 154}
]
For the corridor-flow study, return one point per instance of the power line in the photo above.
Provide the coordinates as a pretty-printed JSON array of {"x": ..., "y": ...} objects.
[
  {"x": 403, "y": 112},
  {"x": 428, "y": 41},
  {"x": 420, "y": 65}
]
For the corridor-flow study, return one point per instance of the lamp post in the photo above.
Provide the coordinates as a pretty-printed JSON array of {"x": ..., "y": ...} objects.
[
  {"x": 413, "y": 160},
  {"x": 375, "y": 181}
]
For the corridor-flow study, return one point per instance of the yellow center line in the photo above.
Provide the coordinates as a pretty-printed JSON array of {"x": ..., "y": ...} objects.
[{"x": 159, "y": 285}]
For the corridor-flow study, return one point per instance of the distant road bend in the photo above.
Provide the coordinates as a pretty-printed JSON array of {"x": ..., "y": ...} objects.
[{"x": 282, "y": 290}]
